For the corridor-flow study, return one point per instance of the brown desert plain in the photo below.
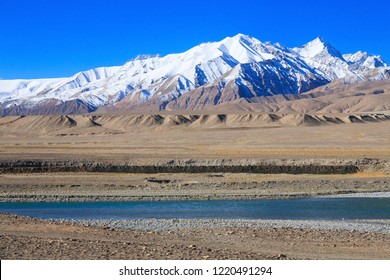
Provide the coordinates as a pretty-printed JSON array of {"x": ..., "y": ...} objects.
[{"x": 247, "y": 152}]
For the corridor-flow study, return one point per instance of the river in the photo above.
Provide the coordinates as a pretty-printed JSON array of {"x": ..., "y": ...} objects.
[{"x": 293, "y": 209}]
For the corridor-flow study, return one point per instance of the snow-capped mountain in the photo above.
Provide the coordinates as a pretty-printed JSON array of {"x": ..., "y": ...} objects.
[
  {"x": 206, "y": 75},
  {"x": 323, "y": 56}
]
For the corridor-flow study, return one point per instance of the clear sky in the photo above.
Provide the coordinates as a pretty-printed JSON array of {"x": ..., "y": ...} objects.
[{"x": 42, "y": 38}]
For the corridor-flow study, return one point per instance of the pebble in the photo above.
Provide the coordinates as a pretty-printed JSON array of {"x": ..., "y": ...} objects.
[{"x": 153, "y": 225}]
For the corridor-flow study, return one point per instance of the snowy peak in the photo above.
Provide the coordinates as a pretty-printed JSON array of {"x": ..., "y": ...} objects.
[
  {"x": 321, "y": 55},
  {"x": 318, "y": 48},
  {"x": 363, "y": 59},
  {"x": 199, "y": 65},
  {"x": 239, "y": 49},
  {"x": 356, "y": 57},
  {"x": 245, "y": 49}
]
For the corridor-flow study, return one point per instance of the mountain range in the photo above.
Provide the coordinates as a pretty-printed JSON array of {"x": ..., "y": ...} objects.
[{"x": 236, "y": 70}]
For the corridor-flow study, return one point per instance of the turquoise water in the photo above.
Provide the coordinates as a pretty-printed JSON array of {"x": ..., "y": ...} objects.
[{"x": 308, "y": 208}]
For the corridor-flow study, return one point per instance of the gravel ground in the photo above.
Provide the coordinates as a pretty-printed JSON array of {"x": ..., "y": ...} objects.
[
  {"x": 381, "y": 226},
  {"x": 367, "y": 195}
]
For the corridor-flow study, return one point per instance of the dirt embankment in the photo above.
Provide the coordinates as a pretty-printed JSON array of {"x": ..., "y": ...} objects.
[{"x": 73, "y": 166}]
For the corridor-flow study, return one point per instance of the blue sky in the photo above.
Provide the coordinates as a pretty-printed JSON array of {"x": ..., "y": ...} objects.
[{"x": 59, "y": 38}]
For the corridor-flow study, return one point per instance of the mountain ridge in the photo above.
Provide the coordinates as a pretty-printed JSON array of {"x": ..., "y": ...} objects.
[{"x": 199, "y": 78}]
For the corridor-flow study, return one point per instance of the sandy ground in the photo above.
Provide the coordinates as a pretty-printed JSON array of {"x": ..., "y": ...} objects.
[{"x": 344, "y": 141}]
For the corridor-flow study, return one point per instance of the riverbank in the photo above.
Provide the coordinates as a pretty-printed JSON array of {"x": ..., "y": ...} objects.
[
  {"x": 62, "y": 187},
  {"x": 28, "y": 238}
]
